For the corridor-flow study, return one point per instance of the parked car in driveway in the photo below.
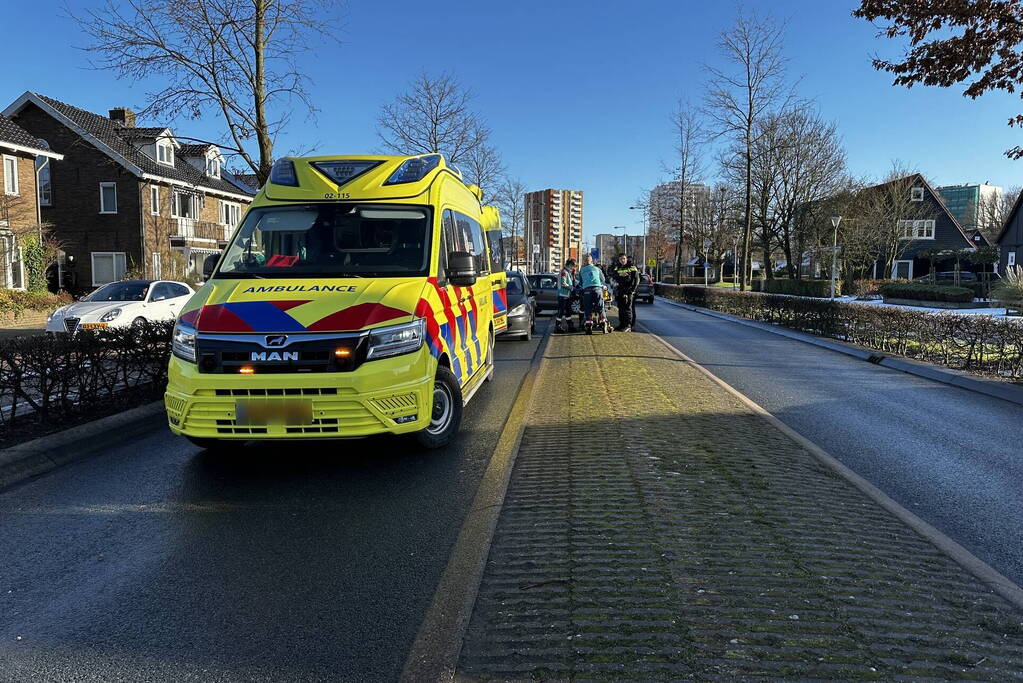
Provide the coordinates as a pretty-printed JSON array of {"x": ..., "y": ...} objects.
[
  {"x": 645, "y": 290},
  {"x": 521, "y": 307},
  {"x": 119, "y": 304},
  {"x": 545, "y": 287}
]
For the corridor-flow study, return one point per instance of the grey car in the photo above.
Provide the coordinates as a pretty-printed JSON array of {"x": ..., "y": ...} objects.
[
  {"x": 545, "y": 287},
  {"x": 521, "y": 308},
  {"x": 645, "y": 290}
]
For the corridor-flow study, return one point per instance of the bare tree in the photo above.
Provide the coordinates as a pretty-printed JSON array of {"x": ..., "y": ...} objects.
[
  {"x": 237, "y": 58},
  {"x": 690, "y": 149},
  {"x": 434, "y": 116},
  {"x": 510, "y": 198},
  {"x": 482, "y": 166},
  {"x": 994, "y": 211},
  {"x": 739, "y": 97}
]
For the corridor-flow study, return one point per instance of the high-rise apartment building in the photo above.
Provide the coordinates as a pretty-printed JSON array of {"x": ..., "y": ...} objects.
[
  {"x": 612, "y": 245},
  {"x": 554, "y": 228},
  {"x": 974, "y": 206}
]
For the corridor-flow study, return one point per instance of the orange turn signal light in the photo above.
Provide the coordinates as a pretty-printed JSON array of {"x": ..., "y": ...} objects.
[
  {"x": 342, "y": 352},
  {"x": 247, "y": 370}
]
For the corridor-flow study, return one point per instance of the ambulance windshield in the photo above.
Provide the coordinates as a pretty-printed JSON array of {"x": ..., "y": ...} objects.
[{"x": 334, "y": 240}]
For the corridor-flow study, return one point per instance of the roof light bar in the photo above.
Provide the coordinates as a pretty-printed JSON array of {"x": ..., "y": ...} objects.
[
  {"x": 342, "y": 172},
  {"x": 283, "y": 173},
  {"x": 414, "y": 170}
]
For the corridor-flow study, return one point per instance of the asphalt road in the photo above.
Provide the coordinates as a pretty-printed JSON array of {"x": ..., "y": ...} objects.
[
  {"x": 160, "y": 562},
  {"x": 949, "y": 455}
]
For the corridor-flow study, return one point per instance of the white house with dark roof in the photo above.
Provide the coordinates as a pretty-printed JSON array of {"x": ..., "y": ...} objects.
[
  {"x": 130, "y": 199},
  {"x": 24, "y": 189}
]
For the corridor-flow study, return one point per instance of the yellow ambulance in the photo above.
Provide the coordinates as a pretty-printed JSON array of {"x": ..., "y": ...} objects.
[{"x": 359, "y": 295}]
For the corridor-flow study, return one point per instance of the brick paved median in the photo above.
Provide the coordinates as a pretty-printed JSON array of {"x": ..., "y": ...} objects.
[{"x": 656, "y": 528}]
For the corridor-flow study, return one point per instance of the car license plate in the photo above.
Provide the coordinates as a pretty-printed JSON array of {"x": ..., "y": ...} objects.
[{"x": 273, "y": 411}]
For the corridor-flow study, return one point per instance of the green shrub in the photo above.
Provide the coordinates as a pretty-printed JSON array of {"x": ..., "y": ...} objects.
[
  {"x": 1010, "y": 288},
  {"x": 919, "y": 291},
  {"x": 17, "y": 301},
  {"x": 816, "y": 288},
  {"x": 977, "y": 343}
]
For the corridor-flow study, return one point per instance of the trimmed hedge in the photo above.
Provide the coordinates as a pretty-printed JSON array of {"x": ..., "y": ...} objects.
[
  {"x": 918, "y": 291},
  {"x": 47, "y": 383},
  {"x": 976, "y": 343},
  {"x": 817, "y": 288}
]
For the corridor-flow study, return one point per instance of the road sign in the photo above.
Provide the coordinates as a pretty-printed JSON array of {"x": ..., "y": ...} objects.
[
  {"x": 536, "y": 248},
  {"x": 595, "y": 253},
  {"x": 651, "y": 262}
]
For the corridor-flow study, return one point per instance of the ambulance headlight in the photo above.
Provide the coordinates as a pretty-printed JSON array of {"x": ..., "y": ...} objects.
[
  {"x": 396, "y": 340},
  {"x": 414, "y": 170},
  {"x": 183, "y": 342}
]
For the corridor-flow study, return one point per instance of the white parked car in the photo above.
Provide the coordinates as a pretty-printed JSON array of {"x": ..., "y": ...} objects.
[{"x": 119, "y": 304}]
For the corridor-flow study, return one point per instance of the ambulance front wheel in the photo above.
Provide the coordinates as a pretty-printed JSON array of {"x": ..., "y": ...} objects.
[{"x": 446, "y": 416}]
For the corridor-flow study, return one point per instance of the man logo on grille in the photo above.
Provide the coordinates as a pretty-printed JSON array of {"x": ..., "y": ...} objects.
[{"x": 276, "y": 340}]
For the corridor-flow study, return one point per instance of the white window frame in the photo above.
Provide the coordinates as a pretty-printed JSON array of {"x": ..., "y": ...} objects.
[
  {"x": 916, "y": 194},
  {"x": 157, "y": 266},
  {"x": 11, "y": 185},
  {"x": 1010, "y": 258},
  {"x": 226, "y": 211},
  {"x": 916, "y": 229},
  {"x": 42, "y": 165},
  {"x": 895, "y": 268},
  {"x": 102, "y": 207},
  {"x": 154, "y": 200},
  {"x": 113, "y": 255},
  {"x": 168, "y": 147},
  {"x": 213, "y": 167}
]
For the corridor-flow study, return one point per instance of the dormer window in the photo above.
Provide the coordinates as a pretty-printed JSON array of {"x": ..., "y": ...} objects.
[
  {"x": 917, "y": 194},
  {"x": 213, "y": 167},
  {"x": 165, "y": 152}
]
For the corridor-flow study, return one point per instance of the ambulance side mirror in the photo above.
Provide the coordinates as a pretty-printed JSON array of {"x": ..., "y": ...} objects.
[
  {"x": 461, "y": 270},
  {"x": 209, "y": 265}
]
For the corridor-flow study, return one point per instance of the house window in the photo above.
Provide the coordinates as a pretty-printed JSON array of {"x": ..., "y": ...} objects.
[
  {"x": 11, "y": 175},
  {"x": 107, "y": 266},
  {"x": 186, "y": 205},
  {"x": 43, "y": 175},
  {"x": 229, "y": 214},
  {"x": 154, "y": 201},
  {"x": 213, "y": 168},
  {"x": 165, "y": 152},
  {"x": 1011, "y": 256},
  {"x": 916, "y": 230},
  {"x": 917, "y": 194},
  {"x": 157, "y": 269},
  {"x": 108, "y": 197}
]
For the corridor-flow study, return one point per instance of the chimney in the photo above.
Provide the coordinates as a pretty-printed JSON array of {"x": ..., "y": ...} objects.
[{"x": 123, "y": 116}]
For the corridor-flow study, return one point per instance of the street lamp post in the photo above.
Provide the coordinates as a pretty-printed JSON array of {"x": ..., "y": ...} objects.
[
  {"x": 625, "y": 238},
  {"x": 645, "y": 215},
  {"x": 835, "y": 220}
]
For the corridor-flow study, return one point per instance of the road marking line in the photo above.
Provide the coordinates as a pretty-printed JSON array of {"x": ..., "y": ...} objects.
[
  {"x": 438, "y": 644},
  {"x": 999, "y": 583}
]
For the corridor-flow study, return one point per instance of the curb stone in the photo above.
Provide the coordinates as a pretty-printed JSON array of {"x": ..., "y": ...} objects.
[
  {"x": 956, "y": 378},
  {"x": 31, "y": 458},
  {"x": 437, "y": 647}
]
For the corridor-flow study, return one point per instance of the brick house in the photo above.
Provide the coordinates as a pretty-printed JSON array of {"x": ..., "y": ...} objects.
[
  {"x": 130, "y": 199},
  {"x": 24, "y": 185}
]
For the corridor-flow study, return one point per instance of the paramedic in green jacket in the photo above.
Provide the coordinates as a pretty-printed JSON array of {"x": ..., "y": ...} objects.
[{"x": 566, "y": 283}]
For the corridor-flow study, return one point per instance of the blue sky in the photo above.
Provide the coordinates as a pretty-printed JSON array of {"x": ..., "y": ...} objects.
[{"x": 578, "y": 94}]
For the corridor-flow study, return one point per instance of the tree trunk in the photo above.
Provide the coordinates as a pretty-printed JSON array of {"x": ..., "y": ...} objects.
[
  {"x": 263, "y": 139},
  {"x": 747, "y": 230}
]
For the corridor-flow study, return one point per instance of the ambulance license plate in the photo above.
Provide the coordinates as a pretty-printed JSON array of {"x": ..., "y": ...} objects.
[{"x": 273, "y": 411}]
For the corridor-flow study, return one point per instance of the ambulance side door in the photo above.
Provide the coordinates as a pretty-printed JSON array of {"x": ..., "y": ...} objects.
[
  {"x": 476, "y": 301},
  {"x": 459, "y": 333}
]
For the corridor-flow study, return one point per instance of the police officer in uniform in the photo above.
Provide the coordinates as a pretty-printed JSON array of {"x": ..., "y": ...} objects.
[{"x": 626, "y": 279}]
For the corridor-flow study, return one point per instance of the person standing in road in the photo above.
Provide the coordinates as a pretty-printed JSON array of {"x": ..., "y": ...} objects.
[
  {"x": 566, "y": 283},
  {"x": 626, "y": 279}
]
